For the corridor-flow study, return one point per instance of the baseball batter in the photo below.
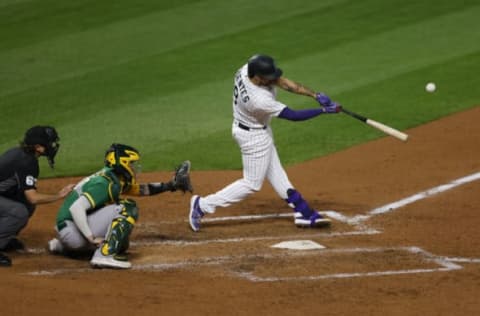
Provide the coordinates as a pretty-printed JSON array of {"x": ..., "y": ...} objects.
[{"x": 254, "y": 105}]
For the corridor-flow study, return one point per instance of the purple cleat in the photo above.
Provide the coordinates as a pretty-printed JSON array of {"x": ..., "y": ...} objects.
[
  {"x": 315, "y": 220},
  {"x": 196, "y": 213}
]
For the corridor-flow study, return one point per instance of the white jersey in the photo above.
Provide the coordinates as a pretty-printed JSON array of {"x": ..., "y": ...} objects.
[{"x": 254, "y": 106}]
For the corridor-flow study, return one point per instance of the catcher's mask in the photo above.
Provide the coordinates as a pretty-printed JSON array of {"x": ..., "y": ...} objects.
[
  {"x": 47, "y": 137},
  {"x": 123, "y": 160}
]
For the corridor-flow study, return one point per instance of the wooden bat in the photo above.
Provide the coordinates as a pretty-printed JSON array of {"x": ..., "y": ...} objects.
[{"x": 382, "y": 127}]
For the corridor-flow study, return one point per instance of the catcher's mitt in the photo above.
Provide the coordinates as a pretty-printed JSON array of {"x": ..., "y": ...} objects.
[{"x": 181, "y": 179}]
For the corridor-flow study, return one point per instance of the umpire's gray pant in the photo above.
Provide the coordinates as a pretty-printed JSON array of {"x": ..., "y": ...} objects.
[
  {"x": 13, "y": 218},
  {"x": 99, "y": 221}
]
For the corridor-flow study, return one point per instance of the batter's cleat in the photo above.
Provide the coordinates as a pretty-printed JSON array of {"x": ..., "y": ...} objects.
[
  {"x": 111, "y": 261},
  {"x": 196, "y": 213},
  {"x": 315, "y": 220},
  {"x": 5, "y": 261},
  {"x": 55, "y": 247}
]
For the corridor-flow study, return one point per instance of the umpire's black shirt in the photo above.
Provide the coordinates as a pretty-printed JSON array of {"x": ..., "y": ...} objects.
[{"x": 18, "y": 172}]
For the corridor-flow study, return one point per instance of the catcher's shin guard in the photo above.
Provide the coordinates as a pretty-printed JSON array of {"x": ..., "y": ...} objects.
[
  {"x": 296, "y": 201},
  {"x": 117, "y": 239}
]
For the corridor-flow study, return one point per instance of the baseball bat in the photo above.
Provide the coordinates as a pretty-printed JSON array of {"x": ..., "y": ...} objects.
[{"x": 382, "y": 127}]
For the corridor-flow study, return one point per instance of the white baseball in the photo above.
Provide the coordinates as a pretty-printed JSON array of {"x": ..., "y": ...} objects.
[{"x": 430, "y": 87}]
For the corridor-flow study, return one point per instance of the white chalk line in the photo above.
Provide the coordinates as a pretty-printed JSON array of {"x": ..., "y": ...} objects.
[
  {"x": 59, "y": 271},
  {"x": 358, "y": 219},
  {"x": 185, "y": 243},
  {"x": 462, "y": 260},
  {"x": 252, "y": 278},
  {"x": 414, "y": 198},
  {"x": 159, "y": 266},
  {"x": 444, "y": 263},
  {"x": 249, "y": 239},
  {"x": 237, "y": 218},
  {"x": 227, "y": 218},
  {"x": 246, "y": 217}
]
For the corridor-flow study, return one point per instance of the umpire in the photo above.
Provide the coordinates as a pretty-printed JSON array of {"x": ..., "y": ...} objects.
[{"x": 19, "y": 171}]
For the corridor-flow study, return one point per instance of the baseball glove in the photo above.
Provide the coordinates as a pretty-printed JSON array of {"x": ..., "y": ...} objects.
[{"x": 181, "y": 179}]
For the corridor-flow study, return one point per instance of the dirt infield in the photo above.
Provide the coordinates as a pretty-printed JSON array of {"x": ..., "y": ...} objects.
[{"x": 417, "y": 257}]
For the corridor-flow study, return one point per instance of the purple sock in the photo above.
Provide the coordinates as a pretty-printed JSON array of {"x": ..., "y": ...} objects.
[{"x": 299, "y": 204}]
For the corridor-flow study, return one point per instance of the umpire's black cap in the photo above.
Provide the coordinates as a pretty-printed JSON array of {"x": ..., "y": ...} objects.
[
  {"x": 46, "y": 136},
  {"x": 263, "y": 66},
  {"x": 40, "y": 135}
]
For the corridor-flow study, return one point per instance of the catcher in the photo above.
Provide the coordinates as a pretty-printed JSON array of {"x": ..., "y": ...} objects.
[{"x": 94, "y": 217}]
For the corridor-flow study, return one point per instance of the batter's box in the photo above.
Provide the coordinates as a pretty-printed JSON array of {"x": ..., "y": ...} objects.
[
  {"x": 241, "y": 228},
  {"x": 340, "y": 263}
]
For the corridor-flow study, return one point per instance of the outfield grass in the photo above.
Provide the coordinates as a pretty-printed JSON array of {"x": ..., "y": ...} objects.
[{"x": 158, "y": 75}]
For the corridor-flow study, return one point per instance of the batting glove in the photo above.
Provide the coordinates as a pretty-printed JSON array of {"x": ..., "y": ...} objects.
[
  {"x": 323, "y": 99},
  {"x": 333, "y": 108}
]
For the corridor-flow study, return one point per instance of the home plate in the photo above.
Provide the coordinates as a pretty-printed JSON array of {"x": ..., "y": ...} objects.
[{"x": 299, "y": 245}]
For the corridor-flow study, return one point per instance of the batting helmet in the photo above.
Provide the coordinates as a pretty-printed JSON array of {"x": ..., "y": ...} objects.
[
  {"x": 263, "y": 66},
  {"x": 47, "y": 137},
  {"x": 122, "y": 158}
]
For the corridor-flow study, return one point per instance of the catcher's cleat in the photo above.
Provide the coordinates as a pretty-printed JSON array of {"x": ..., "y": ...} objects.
[
  {"x": 315, "y": 220},
  {"x": 196, "y": 213},
  {"x": 5, "y": 261},
  {"x": 110, "y": 261},
  {"x": 55, "y": 247}
]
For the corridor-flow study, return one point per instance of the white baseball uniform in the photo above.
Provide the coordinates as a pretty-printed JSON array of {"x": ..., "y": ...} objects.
[{"x": 253, "y": 108}]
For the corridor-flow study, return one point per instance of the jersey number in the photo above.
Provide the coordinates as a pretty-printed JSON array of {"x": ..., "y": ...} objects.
[
  {"x": 235, "y": 94},
  {"x": 30, "y": 181},
  {"x": 240, "y": 92}
]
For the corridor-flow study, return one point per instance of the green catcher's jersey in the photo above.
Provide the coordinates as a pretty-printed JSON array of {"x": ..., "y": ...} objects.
[{"x": 100, "y": 189}]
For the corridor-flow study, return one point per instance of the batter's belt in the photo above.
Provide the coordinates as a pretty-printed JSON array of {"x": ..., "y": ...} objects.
[{"x": 245, "y": 127}]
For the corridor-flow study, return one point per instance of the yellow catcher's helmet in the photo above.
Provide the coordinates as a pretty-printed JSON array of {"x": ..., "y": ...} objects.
[{"x": 122, "y": 159}]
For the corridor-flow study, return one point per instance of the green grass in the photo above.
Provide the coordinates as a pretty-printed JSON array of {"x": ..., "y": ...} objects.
[{"x": 158, "y": 75}]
